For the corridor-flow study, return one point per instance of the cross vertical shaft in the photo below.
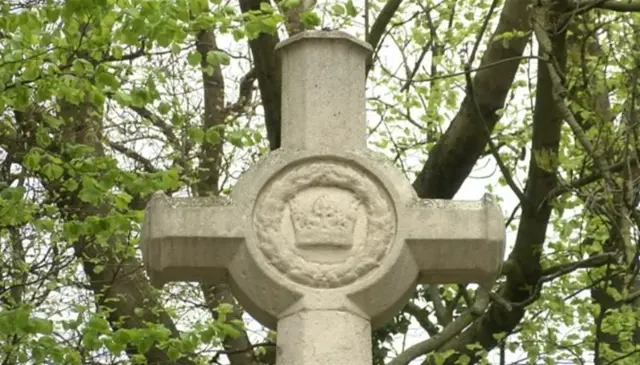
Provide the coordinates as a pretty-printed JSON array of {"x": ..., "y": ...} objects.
[
  {"x": 323, "y": 93},
  {"x": 324, "y": 338}
]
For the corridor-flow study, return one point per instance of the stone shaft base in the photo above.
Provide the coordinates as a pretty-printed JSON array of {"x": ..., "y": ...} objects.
[{"x": 323, "y": 338}]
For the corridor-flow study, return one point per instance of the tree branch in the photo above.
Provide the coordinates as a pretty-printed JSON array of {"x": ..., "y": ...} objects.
[
  {"x": 563, "y": 269},
  {"x": 555, "y": 272},
  {"x": 214, "y": 115},
  {"x": 148, "y": 166},
  {"x": 156, "y": 121},
  {"x": 380, "y": 25},
  {"x": 619, "y": 6},
  {"x": 245, "y": 92},
  {"x": 454, "y": 155},
  {"x": 248, "y": 349},
  {"x": 439, "y": 308},
  {"x": 559, "y": 93},
  {"x": 492, "y": 147},
  {"x": 617, "y": 167},
  {"x": 268, "y": 74},
  {"x": 450, "y": 331},
  {"x": 422, "y": 316}
]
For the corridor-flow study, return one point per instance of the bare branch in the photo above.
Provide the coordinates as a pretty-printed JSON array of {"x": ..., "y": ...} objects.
[
  {"x": 450, "y": 331},
  {"x": 148, "y": 166},
  {"x": 483, "y": 29},
  {"x": 589, "y": 179},
  {"x": 559, "y": 93},
  {"x": 492, "y": 147},
  {"x": 245, "y": 92},
  {"x": 422, "y": 316},
  {"x": 619, "y": 6},
  {"x": 563, "y": 269},
  {"x": 268, "y": 74},
  {"x": 157, "y": 122},
  {"x": 380, "y": 25},
  {"x": 560, "y": 270},
  {"x": 440, "y": 310}
]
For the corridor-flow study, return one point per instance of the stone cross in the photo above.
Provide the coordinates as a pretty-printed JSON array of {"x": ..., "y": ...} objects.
[{"x": 323, "y": 240}]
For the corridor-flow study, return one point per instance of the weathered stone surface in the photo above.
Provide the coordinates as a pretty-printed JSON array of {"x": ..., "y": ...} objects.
[
  {"x": 323, "y": 239},
  {"x": 305, "y": 337},
  {"x": 323, "y": 91}
]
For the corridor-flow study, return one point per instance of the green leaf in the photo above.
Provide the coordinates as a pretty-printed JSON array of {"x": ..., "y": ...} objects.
[
  {"x": 194, "y": 58},
  {"x": 287, "y": 4},
  {"x": 310, "y": 18},
  {"x": 176, "y": 49},
  {"x": 52, "y": 171},
  {"x": 41, "y": 326},
  {"x": 116, "y": 51},
  {"x": 43, "y": 139},
  {"x": 196, "y": 134},
  {"x": 123, "y": 98},
  {"x": 218, "y": 58},
  {"x": 338, "y": 9},
  {"x": 238, "y": 34},
  {"x": 70, "y": 185},
  {"x": 20, "y": 318},
  {"x": 14, "y": 194},
  {"x": 44, "y": 225},
  {"x": 266, "y": 7},
  {"x": 99, "y": 324},
  {"x": 164, "y": 39},
  {"x": 212, "y": 135},
  {"x": 90, "y": 340},
  {"x": 107, "y": 80},
  {"x": 174, "y": 353},
  {"x": 32, "y": 160},
  {"x": 229, "y": 330},
  {"x": 38, "y": 354},
  {"x": 113, "y": 346},
  {"x": 96, "y": 97},
  {"x": 235, "y": 138},
  {"x": 164, "y": 108},
  {"x": 207, "y": 335},
  {"x": 351, "y": 9},
  {"x": 463, "y": 360},
  {"x": 90, "y": 193},
  {"x": 122, "y": 200}
]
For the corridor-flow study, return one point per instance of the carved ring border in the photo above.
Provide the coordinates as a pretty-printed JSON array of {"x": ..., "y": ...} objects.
[{"x": 270, "y": 207}]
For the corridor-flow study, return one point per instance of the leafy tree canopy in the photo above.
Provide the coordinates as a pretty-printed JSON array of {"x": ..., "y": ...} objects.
[{"x": 104, "y": 102}]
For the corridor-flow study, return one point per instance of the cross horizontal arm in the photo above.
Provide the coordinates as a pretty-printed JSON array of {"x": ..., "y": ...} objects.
[
  {"x": 190, "y": 239},
  {"x": 456, "y": 241}
]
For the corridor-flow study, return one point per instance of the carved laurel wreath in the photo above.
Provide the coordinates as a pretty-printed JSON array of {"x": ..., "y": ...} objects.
[{"x": 269, "y": 212}]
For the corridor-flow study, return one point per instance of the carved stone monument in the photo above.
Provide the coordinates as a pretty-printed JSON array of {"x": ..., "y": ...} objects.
[{"x": 323, "y": 239}]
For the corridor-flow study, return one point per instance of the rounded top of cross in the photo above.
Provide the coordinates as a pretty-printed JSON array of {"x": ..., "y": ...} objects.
[{"x": 324, "y": 35}]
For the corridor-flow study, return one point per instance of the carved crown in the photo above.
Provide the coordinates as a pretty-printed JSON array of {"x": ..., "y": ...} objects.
[{"x": 328, "y": 221}]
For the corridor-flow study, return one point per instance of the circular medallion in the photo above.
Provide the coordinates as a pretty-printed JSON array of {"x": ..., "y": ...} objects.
[{"x": 324, "y": 224}]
